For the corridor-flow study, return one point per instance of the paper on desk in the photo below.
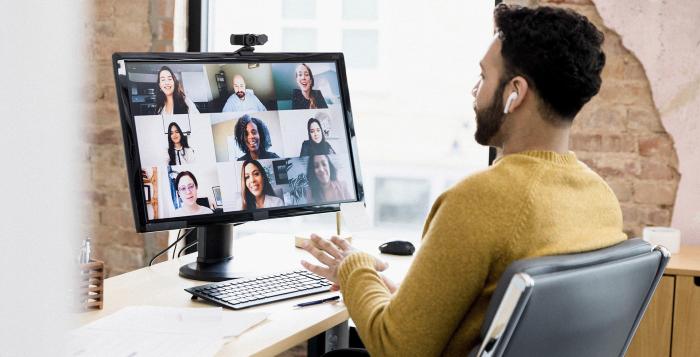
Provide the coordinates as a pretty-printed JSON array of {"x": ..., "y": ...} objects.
[
  {"x": 235, "y": 323},
  {"x": 158, "y": 331}
]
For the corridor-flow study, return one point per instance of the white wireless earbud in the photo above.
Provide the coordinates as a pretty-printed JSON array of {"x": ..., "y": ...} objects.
[{"x": 513, "y": 96}]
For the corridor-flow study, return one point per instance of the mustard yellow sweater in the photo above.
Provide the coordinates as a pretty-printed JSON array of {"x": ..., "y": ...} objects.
[{"x": 526, "y": 205}]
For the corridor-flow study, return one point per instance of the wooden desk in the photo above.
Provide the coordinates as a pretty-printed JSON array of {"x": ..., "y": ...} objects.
[
  {"x": 259, "y": 254},
  {"x": 671, "y": 324}
]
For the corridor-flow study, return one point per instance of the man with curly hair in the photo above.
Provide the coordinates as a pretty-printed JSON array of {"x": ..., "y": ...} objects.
[{"x": 537, "y": 199}]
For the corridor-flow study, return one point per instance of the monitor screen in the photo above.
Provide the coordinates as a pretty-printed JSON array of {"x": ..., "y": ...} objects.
[{"x": 215, "y": 139}]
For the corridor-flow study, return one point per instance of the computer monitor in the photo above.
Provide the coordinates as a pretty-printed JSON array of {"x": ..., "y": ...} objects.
[{"x": 217, "y": 139}]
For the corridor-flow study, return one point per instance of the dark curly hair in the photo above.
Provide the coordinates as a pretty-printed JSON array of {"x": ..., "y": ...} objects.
[
  {"x": 557, "y": 51},
  {"x": 240, "y": 133}
]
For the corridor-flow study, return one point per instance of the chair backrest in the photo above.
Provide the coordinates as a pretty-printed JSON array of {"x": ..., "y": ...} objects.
[{"x": 585, "y": 304}]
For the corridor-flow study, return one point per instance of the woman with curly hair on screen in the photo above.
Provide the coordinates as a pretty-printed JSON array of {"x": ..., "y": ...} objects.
[{"x": 253, "y": 138}]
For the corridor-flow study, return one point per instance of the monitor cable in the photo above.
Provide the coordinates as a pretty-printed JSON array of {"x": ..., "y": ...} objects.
[
  {"x": 179, "y": 238},
  {"x": 185, "y": 248}
]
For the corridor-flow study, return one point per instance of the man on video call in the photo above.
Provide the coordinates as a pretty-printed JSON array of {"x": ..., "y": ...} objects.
[
  {"x": 242, "y": 99},
  {"x": 537, "y": 199}
]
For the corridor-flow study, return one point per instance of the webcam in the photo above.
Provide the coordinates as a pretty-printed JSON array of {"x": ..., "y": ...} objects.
[{"x": 248, "y": 39}]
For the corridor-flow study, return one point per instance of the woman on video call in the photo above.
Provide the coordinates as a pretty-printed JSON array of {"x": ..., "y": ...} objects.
[
  {"x": 170, "y": 98},
  {"x": 256, "y": 190},
  {"x": 317, "y": 144},
  {"x": 179, "y": 151},
  {"x": 305, "y": 97},
  {"x": 253, "y": 138},
  {"x": 186, "y": 186},
  {"x": 323, "y": 180}
]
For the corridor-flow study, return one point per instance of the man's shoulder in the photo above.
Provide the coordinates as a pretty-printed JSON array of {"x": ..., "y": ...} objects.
[{"x": 491, "y": 180}]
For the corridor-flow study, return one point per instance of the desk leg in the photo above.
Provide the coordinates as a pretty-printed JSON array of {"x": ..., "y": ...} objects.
[{"x": 333, "y": 339}]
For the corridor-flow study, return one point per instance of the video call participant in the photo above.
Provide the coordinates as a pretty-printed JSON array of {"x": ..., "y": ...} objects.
[
  {"x": 253, "y": 138},
  {"x": 317, "y": 144},
  {"x": 256, "y": 190},
  {"x": 536, "y": 199},
  {"x": 186, "y": 185},
  {"x": 179, "y": 152},
  {"x": 305, "y": 97},
  {"x": 170, "y": 98},
  {"x": 242, "y": 99},
  {"x": 323, "y": 181}
]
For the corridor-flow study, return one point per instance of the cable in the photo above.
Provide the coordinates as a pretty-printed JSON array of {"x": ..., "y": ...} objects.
[
  {"x": 171, "y": 245},
  {"x": 185, "y": 248}
]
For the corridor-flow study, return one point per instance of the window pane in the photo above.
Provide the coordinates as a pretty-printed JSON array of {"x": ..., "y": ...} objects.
[
  {"x": 359, "y": 9},
  {"x": 299, "y": 9},
  {"x": 299, "y": 40},
  {"x": 360, "y": 47},
  {"x": 401, "y": 201}
]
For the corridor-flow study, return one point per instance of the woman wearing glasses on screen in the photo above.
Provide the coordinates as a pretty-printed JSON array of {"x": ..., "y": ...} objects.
[
  {"x": 179, "y": 151},
  {"x": 253, "y": 138},
  {"x": 323, "y": 181},
  {"x": 305, "y": 97},
  {"x": 170, "y": 98},
  {"x": 256, "y": 190},
  {"x": 186, "y": 185},
  {"x": 317, "y": 144}
]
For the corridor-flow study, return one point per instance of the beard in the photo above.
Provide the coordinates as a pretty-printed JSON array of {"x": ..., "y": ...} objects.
[
  {"x": 240, "y": 94},
  {"x": 489, "y": 120}
]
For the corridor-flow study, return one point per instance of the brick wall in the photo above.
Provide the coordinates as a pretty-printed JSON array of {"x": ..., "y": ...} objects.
[
  {"x": 620, "y": 136},
  {"x": 117, "y": 25}
]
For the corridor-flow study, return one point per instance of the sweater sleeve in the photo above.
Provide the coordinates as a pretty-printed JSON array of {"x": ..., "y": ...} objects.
[{"x": 445, "y": 279}]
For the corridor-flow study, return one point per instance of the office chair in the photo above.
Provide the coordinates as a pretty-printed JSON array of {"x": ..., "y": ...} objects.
[{"x": 585, "y": 304}]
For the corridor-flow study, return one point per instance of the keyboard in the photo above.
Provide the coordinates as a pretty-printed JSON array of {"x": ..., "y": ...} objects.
[{"x": 247, "y": 292}]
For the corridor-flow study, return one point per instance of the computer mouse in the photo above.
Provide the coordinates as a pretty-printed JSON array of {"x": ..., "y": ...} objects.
[{"x": 397, "y": 247}]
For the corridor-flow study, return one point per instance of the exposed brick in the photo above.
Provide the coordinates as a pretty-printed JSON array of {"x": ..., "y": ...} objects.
[
  {"x": 161, "y": 46},
  {"x": 622, "y": 188},
  {"x": 611, "y": 165},
  {"x": 657, "y": 217},
  {"x": 107, "y": 136},
  {"x": 162, "y": 8},
  {"x": 603, "y": 143},
  {"x": 630, "y": 213},
  {"x": 655, "y": 192},
  {"x": 626, "y": 92},
  {"x": 643, "y": 120},
  {"x": 657, "y": 170},
  {"x": 574, "y": 2},
  {"x": 133, "y": 9},
  {"x": 116, "y": 217},
  {"x": 656, "y": 145},
  {"x": 164, "y": 30},
  {"x": 599, "y": 117}
]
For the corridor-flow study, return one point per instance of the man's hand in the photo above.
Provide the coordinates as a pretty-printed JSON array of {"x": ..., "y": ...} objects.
[{"x": 331, "y": 254}]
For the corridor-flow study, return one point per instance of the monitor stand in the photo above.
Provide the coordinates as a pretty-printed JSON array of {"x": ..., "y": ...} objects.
[{"x": 214, "y": 255}]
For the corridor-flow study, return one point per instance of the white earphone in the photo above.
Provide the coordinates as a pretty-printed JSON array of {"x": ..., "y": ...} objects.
[{"x": 513, "y": 96}]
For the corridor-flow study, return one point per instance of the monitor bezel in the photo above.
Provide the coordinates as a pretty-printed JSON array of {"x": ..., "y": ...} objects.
[{"x": 131, "y": 150}]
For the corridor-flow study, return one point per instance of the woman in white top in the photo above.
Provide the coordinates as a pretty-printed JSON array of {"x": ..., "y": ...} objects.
[
  {"x": 256, "y": 190},
  {"x": 179, "y": 151},
  {"x": 171, "y": 98},
  {"x": 186, "y": 185}
]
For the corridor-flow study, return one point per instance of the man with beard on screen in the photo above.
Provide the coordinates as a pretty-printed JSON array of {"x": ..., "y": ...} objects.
[
  {"x": 537, "y": 199},
  {"x": 242, "y": 99}
]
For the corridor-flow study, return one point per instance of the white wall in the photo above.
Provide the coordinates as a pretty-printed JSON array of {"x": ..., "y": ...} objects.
[{"x": 41, "y": 91}]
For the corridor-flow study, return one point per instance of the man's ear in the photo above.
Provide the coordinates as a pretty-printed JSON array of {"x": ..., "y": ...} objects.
[{"x": 515, "y": 94}]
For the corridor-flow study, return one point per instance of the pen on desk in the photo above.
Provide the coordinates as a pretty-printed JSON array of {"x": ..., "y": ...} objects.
[{"x": 316, "y": 302}]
